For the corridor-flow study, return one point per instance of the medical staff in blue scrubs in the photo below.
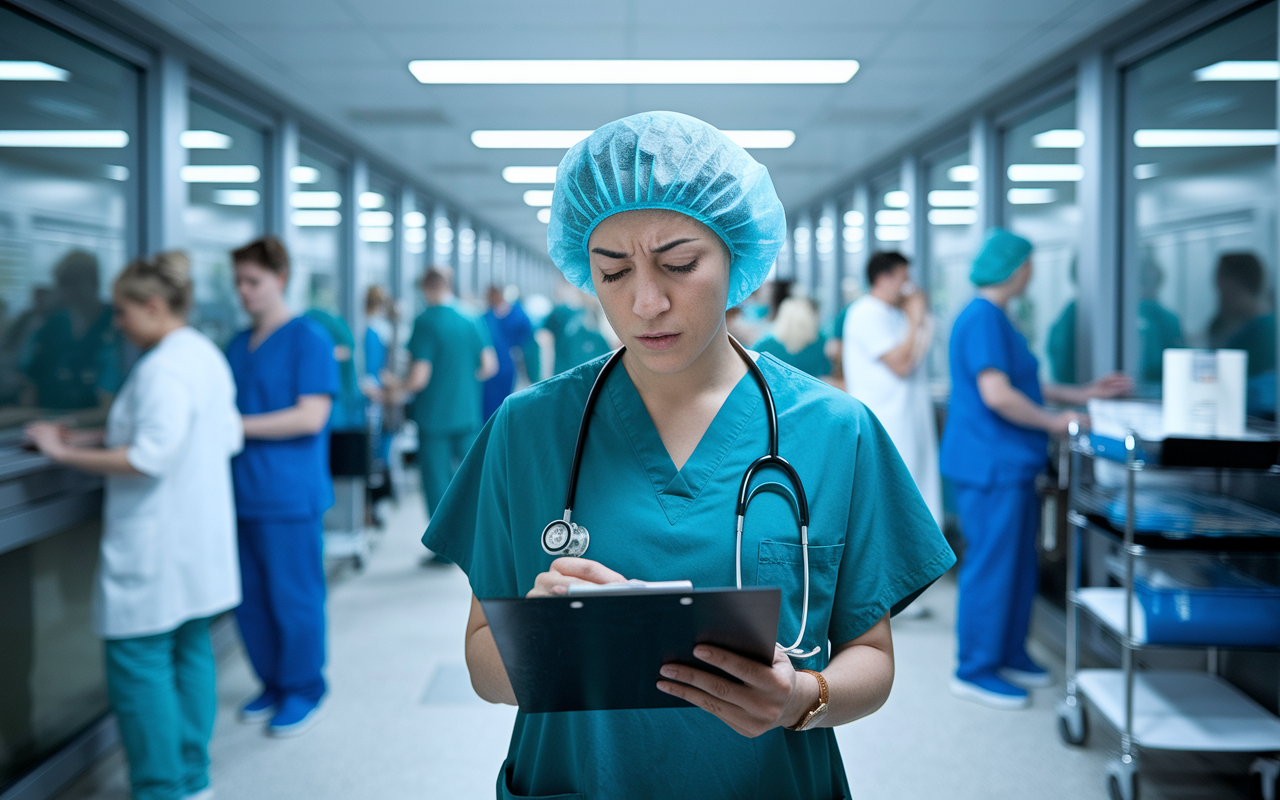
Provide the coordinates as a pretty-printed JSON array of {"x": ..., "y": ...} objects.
[
  {"x": 509, "y": 330},
  {"x": 994, "y": 445},
  {"x": 452, "y": 357},
  {"x": 286, "y": 379},
  {"x": 677, "y": 424}
]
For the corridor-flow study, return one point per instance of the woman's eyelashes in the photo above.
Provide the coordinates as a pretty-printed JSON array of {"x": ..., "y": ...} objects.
[
  {"x": 683, "y": 268},
  {"x": 679, "y": 269},
  {"x": 610, "y": 277}
]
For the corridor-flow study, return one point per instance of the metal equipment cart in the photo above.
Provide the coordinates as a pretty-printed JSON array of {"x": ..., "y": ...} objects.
[{"x": 1177, "y": 568}]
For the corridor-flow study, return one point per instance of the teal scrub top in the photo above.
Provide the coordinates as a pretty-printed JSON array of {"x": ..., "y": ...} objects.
[
  {"x": 452, "y": 341},
  {"x": 811, "y": 359},
  {"x": 872, "y": 544},
  {"x": 575, "y": 343}
]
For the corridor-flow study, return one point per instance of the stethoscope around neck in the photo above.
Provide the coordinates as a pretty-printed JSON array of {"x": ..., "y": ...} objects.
[{"x": 564, "y": 537}]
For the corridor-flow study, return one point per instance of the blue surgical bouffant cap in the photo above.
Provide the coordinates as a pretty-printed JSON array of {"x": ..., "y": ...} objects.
[
  {"x": 669, "y": 161},
  {"x": 1001, "y": 254}
]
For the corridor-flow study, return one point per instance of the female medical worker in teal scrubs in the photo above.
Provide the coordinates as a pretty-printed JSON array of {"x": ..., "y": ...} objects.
[
  {"x": 670, "y": 223},
  {"x": 993, "y": 447},
  {"x": 286, "y": 378}
]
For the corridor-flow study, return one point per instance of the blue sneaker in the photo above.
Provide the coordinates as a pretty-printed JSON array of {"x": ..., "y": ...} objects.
[
  {"x": 991, "y": 691},
  {"x": 1029, "y": 676},
  {"x": 295, "y": 717},
  {"x": 260, "y": 708}
]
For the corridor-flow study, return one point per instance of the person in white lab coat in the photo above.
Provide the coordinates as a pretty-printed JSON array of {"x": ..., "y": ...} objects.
[
  {"x": 887, "y": 333},
  {"x": 168, "y": 556}
]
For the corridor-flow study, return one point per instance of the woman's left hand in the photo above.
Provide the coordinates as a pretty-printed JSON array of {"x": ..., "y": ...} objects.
[
  {"x": 769, "y": 696},
  {"x": 47, "y": 438}
]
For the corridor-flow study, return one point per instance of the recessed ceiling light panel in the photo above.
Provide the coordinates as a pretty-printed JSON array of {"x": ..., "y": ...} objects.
[{"x": 635, "y": 71}]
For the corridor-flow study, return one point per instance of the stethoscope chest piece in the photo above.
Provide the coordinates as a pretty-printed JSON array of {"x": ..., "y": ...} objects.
[{"x": 564, "y": 538}]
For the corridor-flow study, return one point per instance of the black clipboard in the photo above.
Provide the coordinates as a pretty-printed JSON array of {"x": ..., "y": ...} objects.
[{"x": 603, "y": 651}]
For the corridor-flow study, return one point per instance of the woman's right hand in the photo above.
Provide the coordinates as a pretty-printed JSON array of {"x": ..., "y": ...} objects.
[
  {"x": 1062, "y": 423},
  {"x": 565, "y": 571}
]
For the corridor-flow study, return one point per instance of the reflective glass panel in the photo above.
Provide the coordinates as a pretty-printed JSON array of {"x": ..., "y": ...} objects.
[
  {"x": 226, "y": 165},
  {"x": 318, "y": 210},
  {"x": 68, "y": 144},
  {"x": 1200, "y": 143},
  {"x": 1040, "y": 177},
  {"x": 890, "y": 213},
  {"x": 952, "y": 237}
]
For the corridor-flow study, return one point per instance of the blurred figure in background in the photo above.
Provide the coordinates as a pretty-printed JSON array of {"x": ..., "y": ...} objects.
[
  {"x": 349, "y": 407},
  {"x": 886, "y": 335},
  {"x": 795, "y": 337},
  {"x": 74, "y": 359},
  {"x": 575, "y": 327},
  {"x": 994, "y": 445},
  {"x": 452, "y": 357},
  {"x": 1246, "y": 321},
  {"x": 286, "y": 379},
  {"x": 168, "y": 554},
  {"x": 385, "y": 407},
  {"x": 510, "y": 331}
]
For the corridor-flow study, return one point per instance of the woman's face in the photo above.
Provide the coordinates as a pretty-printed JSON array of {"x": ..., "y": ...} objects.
[
  {"x": 143, "y": 324},
  {"x": 663, "y": 280},
  {"x": 259, "y": 288}
]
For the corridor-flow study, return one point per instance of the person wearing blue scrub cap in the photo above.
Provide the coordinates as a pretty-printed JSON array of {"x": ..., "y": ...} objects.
[
  {"x": 669, "y": 223},
  {"x": 994, "y": 445}
]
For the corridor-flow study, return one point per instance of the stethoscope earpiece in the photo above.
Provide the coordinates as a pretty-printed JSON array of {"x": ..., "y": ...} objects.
[{"x": 564, "y": 538}]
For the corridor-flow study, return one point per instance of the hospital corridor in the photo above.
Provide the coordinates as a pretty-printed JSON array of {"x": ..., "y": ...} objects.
[{"x": 637, "y": 399}]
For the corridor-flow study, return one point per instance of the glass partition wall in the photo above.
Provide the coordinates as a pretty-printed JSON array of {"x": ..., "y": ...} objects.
[
  {"x": 1040, "y": 173},
  {"x": 68, "y": 171},
  {"x": 318, "y": 214},
  {"x": 1200, "y": 166},
  {"x": 952, "y": 237}
]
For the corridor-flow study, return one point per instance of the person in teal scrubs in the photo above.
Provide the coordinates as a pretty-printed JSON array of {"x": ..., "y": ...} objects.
[
  {"x": 796, "y": 339},
  {"x": 452, "y": 357},
  {"x": 994, "y": 444},
  {"x": 577, "y": 340},
  {"x": 676, "y": 426}
]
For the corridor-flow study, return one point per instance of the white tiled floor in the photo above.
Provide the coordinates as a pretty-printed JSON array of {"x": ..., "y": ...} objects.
[{"x": 402, "y": 723}]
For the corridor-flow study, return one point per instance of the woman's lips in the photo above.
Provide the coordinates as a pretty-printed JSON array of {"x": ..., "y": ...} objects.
[{"x": 658, "y": 341}]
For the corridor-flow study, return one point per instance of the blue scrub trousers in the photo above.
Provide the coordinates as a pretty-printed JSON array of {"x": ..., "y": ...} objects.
[
  {"x": 998, "y": 576},
  {"x": 439, "y": 456},
  {"x": 162, "y": 691},
  {"x": 281, "y": 617}
]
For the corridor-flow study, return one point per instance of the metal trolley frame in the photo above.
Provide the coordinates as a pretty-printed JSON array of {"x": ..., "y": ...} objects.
[{"x": 1157, "y": 709}]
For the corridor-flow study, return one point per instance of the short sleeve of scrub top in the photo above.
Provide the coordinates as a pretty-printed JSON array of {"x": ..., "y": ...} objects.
[
  {"x": 873, "y": 543},
  {"x": 283, "y": 478}
]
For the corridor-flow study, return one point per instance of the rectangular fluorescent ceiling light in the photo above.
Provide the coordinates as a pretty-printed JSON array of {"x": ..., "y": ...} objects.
[
  {"x": 204, "y": 140},
  {"x": 220, "y": 173},
  {"x": 537, "y": 197},
  {"x": 415, "y": 235},
  {"x": 953, "y": 198},
  {"x": 415, "y": 219},
  {"x": 892, "y": 218},
  {"x": 1045, "y": 172},
  {"x": 376, "y": 219},
  {"x": 316, "y": 219},
  {"x": 93, "y": 139},
  {"x": 1032, "y": 197},
  {"x": 236, "y": 197},
  {"x": 376, "y": 234},
  {"x": 893, "y": 233},
  {"x": 1206, "y": 138},
  {"x": 315, "y": 199},
  {"x": 529, "y": 174},
  {"x": 1239, "y": 71},
  {"x": 1059, "y": 138},
  {"x": 31, "y": 71},
  {"x": 304, "y": 175},
  {"x": 963, "y": 173},
  {"x": 635, "y": 71},
  {"x": 372, "y": 200},
  {"x": 952, "y": 216},
  {"x": 853, "y": 218},
  {"x": 853, "y": 234},
  {"x": 563, "y": 140},
  {"x": 897, "y": 199},
  {"x": 544, "y": 215}
]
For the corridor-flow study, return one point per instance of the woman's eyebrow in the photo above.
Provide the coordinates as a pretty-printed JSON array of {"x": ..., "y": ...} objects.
[
  {"x": 607, "y": 253},
  {"x": 664, "y": 248}
]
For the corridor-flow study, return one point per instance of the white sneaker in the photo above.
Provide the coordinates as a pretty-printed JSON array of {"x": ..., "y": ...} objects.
[
  {"x": 1025, "y": 679},
  {"x": 987, "y": 697}
]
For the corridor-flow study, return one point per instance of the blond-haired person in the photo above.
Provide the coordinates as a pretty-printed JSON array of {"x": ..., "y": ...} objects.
[{"x": 168, "y": 560}]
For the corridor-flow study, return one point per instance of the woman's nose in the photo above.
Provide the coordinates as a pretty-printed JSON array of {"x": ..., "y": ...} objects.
[{"x": 651, "y": 298}]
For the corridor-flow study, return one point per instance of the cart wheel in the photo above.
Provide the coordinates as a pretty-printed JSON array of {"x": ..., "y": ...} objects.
[
  {"x": 1122, "y": 780},
  {"x": 1073, "y": 724},
  {"x": 1263, "y": 778}
]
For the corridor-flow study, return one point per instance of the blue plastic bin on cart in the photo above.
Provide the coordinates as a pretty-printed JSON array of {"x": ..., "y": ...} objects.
[{"x": 1207, "y": 602}]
